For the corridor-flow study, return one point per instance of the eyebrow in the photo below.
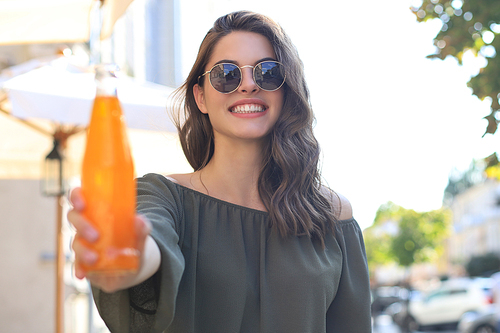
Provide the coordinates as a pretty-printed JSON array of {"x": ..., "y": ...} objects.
[{"x": 236, "y": 63}]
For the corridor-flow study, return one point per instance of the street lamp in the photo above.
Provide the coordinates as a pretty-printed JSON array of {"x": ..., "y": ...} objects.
[{"x": 53, "y": 185}]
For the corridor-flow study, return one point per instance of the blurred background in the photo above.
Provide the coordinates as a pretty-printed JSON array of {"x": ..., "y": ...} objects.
[{"x": 405, "y": 94}]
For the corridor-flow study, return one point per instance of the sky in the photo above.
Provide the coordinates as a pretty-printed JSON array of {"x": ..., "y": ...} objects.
[{"x": 391, "y": 123}]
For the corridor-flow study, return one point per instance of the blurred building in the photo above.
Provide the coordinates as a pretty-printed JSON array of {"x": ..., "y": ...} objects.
[
  {"x": 146, "y": 42},
  {"x": 476, "y": 223}
]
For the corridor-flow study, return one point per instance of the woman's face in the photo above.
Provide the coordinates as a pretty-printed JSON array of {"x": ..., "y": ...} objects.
[{"x": 249, "y": 113}]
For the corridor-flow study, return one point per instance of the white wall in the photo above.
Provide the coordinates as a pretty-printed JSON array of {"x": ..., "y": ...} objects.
[{"x": 27, "y": 282}]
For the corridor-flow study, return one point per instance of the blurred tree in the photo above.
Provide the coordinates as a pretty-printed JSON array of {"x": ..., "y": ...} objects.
[
  {"x": 377, "y": 245},
  {"x": 405, "y": 236},
  {"x": 469, "y": 25},
  {"x": 420, "y": 236},
  {"x": 483, "y": 265}
]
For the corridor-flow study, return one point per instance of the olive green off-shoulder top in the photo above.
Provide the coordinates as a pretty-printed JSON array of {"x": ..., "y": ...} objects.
[{"x": 223, "y": 270}]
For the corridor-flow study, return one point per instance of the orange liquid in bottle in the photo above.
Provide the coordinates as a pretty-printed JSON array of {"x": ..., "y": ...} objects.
[{"x": 109, "y": 190}]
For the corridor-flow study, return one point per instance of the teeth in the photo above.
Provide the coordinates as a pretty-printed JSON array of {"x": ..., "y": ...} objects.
[{"x": 248, "y": 108}]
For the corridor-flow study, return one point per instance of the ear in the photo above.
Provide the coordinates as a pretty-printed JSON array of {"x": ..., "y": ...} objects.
[{"x": 200, "y": 98}]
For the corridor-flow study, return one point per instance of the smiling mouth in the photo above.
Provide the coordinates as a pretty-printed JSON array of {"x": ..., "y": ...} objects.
[{"x": 248, "y": 108}]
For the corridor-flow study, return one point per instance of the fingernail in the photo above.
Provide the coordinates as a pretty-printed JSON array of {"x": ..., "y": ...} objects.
[
  {"x": 79, "y": 273},
  {"x": 91, "y": 234},
  {"x": 77, "y": 204},
  {"x": 90, "y": 257}
]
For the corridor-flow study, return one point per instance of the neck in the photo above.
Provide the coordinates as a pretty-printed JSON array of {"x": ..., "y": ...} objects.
[{"x": 233, "y": 172}]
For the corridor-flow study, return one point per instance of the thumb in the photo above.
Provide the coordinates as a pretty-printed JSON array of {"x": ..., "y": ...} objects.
[{"x": 143, "y": 228}]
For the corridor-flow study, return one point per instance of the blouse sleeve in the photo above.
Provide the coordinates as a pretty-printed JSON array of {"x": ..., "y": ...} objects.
[
  {"x": 135, "y": 309},
  {"x": 350, "y": 310}
]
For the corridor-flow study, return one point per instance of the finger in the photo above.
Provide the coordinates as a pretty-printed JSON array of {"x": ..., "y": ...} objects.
[
  {"x": 76, "y": 199},
  {"x": 83, "y": 258},
  {"x": 83, "y": 227},
  {"x": 79, "y": 271},
  {"x": 143, "y": 228},
  {"x": 83, "y": 255}
]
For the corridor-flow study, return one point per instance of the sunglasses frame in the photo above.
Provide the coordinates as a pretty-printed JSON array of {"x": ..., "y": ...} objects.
[{"x": 241, "y": 72}]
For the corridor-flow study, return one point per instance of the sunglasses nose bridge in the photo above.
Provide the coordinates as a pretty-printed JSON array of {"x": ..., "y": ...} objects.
[
  {"x": 247, "y": 66},
  {"x": 249, "y": 74}
]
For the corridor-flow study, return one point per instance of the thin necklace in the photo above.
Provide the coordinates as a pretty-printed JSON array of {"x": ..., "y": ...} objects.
[{"x": 202, "y": 183}]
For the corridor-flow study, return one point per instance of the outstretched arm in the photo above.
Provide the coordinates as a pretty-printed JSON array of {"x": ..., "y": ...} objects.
[{"x": 149, "y": 252}]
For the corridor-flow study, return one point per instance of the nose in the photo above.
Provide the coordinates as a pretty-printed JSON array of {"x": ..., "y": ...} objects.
[{"x": 248, "y": 84}]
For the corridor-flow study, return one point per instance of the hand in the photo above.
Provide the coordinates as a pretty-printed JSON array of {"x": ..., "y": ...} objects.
[{"x": 108, "y": 282}]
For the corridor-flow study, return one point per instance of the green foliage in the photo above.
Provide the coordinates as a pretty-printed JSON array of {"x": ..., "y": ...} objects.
[
  {"x": 469, "y": 25},
  {"x": 377, "y": 248},
  {"x": 405, "y": 236},
  {"x": 483, "y": 265}
]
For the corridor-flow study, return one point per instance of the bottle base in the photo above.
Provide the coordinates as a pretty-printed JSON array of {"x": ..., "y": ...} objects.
[
  {"x": 115, "y": 261},
  {"x": 111, "y": 272}
]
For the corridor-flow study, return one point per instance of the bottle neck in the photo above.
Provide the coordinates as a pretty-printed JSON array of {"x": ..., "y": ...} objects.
[
  {"x": 106, "y": 81},
  {"x": 106, "y": 87}
]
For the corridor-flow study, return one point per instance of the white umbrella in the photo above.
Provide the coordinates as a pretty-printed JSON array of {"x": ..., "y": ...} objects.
[{"x": 64, "y": 94}]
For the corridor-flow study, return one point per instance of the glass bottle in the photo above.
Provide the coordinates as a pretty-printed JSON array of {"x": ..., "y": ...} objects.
[{"x": 108, "y": 184}]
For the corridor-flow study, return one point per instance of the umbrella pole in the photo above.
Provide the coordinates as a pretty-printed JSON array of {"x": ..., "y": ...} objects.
[
  {"x": 59, "y": 269},
  {"x": 61, "y": 136}
]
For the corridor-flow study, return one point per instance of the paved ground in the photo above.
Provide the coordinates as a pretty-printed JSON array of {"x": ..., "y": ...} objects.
[{"x": 384, "y": 324}]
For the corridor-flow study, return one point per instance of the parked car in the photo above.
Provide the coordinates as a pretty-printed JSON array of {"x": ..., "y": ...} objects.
[
  {"x": 384, "y": 296},
  {"x": 399, "y": 312},
  {"x": 446, "y": 305},
  {"x": 485, "y": 321}
]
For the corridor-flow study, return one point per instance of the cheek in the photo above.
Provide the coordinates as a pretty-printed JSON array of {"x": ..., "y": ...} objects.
[
  {"x": 215, "y": 102},
  {"x": 280, "y": 101}
]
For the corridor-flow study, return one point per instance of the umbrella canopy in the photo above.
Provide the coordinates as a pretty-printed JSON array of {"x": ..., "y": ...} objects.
[
  {"x": 64, "y": 94},
  {"x": 54, "y": 21}
]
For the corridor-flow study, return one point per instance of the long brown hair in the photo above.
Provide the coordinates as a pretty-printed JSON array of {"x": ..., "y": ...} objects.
[{"x": 289, "y": 182}]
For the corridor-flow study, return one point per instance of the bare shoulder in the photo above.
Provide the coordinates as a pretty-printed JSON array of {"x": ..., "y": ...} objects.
[
  {"x": 183, "y": 179},
  {"x": 341, "y": 206}
]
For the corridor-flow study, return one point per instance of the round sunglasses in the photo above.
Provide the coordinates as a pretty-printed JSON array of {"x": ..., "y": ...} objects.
[{"x": 226, "y": 77}]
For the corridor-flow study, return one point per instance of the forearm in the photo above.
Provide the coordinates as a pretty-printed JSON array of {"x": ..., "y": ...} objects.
[{"x": 150, "y": 263}]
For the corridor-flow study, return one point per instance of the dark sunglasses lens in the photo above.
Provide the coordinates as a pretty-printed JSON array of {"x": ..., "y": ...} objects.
[
  {"x": 225, "y": 77},
  {"x": 269, "y": 75}
]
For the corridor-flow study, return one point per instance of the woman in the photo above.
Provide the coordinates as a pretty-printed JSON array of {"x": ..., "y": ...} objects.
[{"x": 250, "y": 241}]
